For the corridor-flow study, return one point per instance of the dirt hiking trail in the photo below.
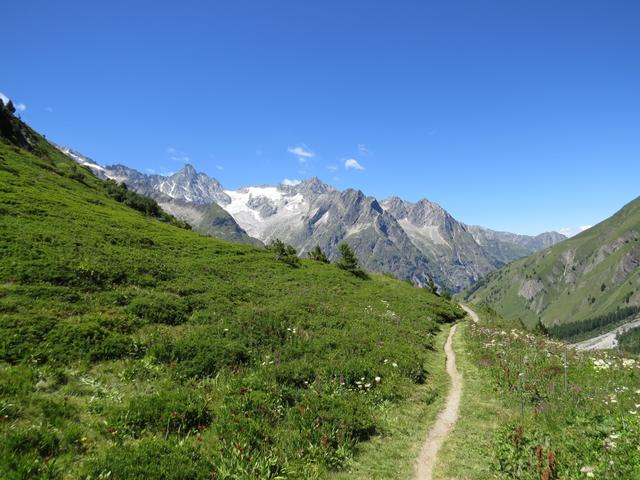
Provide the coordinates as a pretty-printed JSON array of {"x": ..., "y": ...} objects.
[{"x": 446, "y": 418}]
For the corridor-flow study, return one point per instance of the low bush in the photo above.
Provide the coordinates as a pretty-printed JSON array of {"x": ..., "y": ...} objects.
[
  {"x": 87, "y": 338},
  {"x": 150, "y": 459},
  {"x": 160, "y": 308},
  {"x": 179, "y": 410},
  {"x": 200, "y": 353}
]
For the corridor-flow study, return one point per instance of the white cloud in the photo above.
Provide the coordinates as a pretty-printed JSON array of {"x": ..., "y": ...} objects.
[
  {"x": 303, "y": 152},
  {"x": 565, "y": 231},
  {"x": 353, "y": 163},
  {"x": 219, "y": 167},
  {"x": 4, "y": 98},
  {"x": 582, "y": 228},
  {"x": 291, "y": 183},
  {"x": 363, "y": 151},
  {"x": 332, "y": 168},
  {"x": 21, "y": 107},
  {"x": 178, "y": 156}
]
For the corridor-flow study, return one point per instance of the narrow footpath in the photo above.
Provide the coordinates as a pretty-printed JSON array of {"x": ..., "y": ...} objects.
[{"x": 446, "y": 418}]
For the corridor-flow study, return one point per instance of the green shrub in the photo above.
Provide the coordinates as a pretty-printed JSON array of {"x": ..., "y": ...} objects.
[
  {"x": 160, "y": 308},
  {"x": 36, "y": 439},
  {"x": 178, "y": 410},
  {"x": 88, "y": 339},
  {"x": 20, "y": 337},
  {"x": 200, "y": 353},
  {"x": 150, "y": 459}
]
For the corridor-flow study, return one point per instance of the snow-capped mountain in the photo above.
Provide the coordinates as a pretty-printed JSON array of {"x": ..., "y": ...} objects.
[{"x": 411, "y": 240}]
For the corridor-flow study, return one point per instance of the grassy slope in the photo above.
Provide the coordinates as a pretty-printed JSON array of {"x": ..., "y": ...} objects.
[
  {"x": 593, "y": 424},
  {"x": 393, "y": 453},
  {"x": 134, "y": 347},
  {"x": 572, "y": 272}
]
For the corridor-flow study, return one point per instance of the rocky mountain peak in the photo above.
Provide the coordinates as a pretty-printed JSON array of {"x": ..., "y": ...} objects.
[{"x": 311, "y": 187}]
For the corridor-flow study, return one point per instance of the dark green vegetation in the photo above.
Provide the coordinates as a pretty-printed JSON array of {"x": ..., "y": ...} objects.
[
  {"x": 527, "y": 423},
  {"x": 318, "y": 255},
  {"x": 588, "y": 278},
  {"x": 593, "y": 326},
  {"x": 284, "y": 253},
  {"x": 133, "y": 348},
  {"x": 349, "y": 262},
  {"x": 629, "y": 341}
]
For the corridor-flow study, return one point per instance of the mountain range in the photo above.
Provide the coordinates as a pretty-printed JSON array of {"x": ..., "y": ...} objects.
[{"x": 415, "y": 241}]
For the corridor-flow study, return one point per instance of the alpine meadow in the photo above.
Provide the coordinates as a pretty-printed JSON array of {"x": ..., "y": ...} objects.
[{"x": 338, "y": 240}]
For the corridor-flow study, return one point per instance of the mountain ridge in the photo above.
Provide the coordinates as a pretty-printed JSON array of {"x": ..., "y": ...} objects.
[{"x": 412, "y": 240}]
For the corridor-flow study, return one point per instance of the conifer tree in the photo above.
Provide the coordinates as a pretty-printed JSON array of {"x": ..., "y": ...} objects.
[
  {"x": 349, "y": 261},
  {"x": 284, "y": 253},
  {"x": 318, "y": 255}
]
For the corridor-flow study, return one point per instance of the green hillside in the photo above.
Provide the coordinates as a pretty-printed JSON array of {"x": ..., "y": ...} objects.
[
  {"x": 585, "y": 279},
  {"x": 132, "y": 347}
]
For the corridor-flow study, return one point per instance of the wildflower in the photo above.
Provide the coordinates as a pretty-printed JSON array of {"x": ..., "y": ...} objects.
[
  {"x": 600, "y": 364},
  {"x": 394, "y": 365},
  {"x": 633, "y": 412},
  {"x": 378, "y": 379},
  {"x": 587, "y": 470}
]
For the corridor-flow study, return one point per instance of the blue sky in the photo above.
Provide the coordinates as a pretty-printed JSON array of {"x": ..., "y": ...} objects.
[{"x": 519, "y": 116}]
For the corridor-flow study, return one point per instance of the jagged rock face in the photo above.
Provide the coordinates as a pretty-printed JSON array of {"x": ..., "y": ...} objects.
[
  {"x": 411, "y": 240},
  {"x": 191, "y": 186},
  {"x": 444, "y": 241},
  {"x": 313, "y": 213},
  {"x": 186, "y": 184}
]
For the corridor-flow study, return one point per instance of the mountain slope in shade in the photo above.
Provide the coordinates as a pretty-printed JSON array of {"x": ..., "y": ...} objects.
[
  {"x": 414, "y": 241},
  {"x": 209, "y": 219},
  {"x": 589, "y": 275}
]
